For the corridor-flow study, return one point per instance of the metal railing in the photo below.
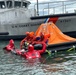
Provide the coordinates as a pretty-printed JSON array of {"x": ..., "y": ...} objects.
[{"x": 57, "y": 7}]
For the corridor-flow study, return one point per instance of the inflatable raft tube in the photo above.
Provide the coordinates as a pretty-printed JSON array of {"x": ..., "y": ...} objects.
[
  {"x": 58, "y": 47},
  {"x": 62, "y": 46}
]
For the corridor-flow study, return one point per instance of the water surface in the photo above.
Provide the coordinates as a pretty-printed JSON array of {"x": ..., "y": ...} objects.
[{"x": 63, "y": 63}]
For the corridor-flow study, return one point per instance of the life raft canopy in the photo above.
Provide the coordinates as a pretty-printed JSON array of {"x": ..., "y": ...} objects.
[{"x": 56, "y": 35}]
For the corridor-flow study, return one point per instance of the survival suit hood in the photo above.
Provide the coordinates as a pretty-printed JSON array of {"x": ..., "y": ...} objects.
[
  {"x": 11, "y": 43},
  {"x": 30, "y": 48}
]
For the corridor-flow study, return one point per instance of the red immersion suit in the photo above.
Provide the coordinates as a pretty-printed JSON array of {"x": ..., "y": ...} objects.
[
  {"x": 34, "y": 53},
  {"x": 29, "y": 37},
  {"x": 10, "y": 46},
  {"x": 44, "y": 37}
]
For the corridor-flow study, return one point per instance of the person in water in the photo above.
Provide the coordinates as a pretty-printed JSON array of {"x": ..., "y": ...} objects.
[
  {"x": 27, "y": 39},
  {"x": 30, "y": 37},
  {"x": 10, "y": 46},
  {"x": 32, "y": 53}
]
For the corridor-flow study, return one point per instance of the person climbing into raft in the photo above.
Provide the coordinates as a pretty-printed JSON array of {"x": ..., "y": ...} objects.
[
  {"x": 30, "y": 37},
  {"x": 43, "y": 37},
  {"x": 27, "y": 39},
  {"x": 32, "y": 53}
]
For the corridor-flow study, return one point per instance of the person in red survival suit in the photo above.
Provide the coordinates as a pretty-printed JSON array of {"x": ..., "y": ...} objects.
[
  {"x": 30, "y": 37},
  {"x": 26, "y": 39},
  {"x": 44, "y": 37},
  {"x": 31, "y": 53},
  {"x": 10, "y": 46}
]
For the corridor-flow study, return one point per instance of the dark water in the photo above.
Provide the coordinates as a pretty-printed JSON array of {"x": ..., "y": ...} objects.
[{"x": 58, "y": 64}]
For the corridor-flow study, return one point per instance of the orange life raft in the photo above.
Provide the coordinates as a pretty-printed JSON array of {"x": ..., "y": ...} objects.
[{"x": 57, "y": 40}]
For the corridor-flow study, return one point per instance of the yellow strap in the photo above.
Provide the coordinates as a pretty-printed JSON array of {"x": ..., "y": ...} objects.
[
  {"x": 71, "y": 48},
  {"x": 48, "y": 52}
]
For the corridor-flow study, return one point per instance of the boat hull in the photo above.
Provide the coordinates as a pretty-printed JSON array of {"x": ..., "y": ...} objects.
[
  {"x": 65, "y": 22},
  {"x": 15, "y": 37}
]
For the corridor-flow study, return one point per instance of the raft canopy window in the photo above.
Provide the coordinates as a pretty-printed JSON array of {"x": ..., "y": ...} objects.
[
  {"x": 9, "y": 4},
  {"x": 2, "y": 5},
  {"x": 17, "y": 4}
]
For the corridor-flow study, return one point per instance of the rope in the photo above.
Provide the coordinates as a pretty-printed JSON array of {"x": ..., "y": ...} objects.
[
  {"x": 49, "y": 53},
  {"x": 73, "y": 48}
]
